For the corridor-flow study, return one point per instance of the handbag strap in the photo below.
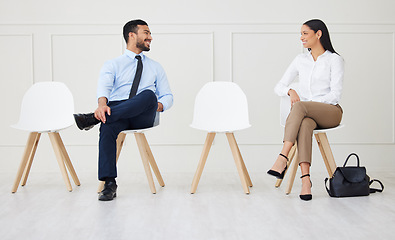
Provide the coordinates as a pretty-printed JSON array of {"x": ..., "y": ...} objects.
[
  {"x": 352, "y": 154},
  {"x": 373, "y": 190},
  {"x": 327, "y": 189}
]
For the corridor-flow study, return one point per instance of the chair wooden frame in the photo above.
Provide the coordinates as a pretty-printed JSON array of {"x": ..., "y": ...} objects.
[
  {"x": 240, "y": 165},
  {"x": 61, "y": 156},
  {"x": 146, "y": 156},
  {"x": 326, "y": 154}
]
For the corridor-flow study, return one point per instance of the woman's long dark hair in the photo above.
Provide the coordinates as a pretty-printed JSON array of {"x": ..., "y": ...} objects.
[{"x": 315, "y": 25}]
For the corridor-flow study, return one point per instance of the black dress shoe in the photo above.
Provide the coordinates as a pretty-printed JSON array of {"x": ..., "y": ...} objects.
[
  {"x": 109, "y": 192},
  {"x": 85, "y": 121},
  {"x": 277, "y": 174}
]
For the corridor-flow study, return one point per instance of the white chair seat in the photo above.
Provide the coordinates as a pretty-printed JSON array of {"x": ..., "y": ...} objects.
[
  {"x": 138, "y": 130},
  {"x": 324, "y": 130}
]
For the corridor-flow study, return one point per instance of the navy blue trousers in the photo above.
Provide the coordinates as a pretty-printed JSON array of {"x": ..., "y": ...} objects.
[{"x": 135, "y": 113}]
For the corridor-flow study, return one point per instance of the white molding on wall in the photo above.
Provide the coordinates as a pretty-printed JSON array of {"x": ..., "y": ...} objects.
[
  {"x": 393, "y": 86},
  {"x": 193, "y": 23}
]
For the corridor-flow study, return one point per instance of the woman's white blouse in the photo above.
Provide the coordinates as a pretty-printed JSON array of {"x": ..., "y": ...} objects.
[{"x": 319, "y": 81}]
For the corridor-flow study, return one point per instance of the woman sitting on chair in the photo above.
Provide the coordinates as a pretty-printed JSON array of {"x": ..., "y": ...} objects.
[{"x": 315, "y": 105}]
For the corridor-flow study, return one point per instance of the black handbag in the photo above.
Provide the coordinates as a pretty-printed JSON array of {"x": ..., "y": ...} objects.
[{"x": 351, "y": 181}]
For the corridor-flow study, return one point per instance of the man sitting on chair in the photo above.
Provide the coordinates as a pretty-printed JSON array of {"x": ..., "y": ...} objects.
[{"x": 131, "y": 89}]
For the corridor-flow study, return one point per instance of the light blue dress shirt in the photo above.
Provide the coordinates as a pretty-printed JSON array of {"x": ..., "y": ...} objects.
[{"x": 117, "y": 75}]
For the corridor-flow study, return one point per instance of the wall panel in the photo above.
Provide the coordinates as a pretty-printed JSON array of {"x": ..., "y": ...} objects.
[
  {"x": 368, "y": 94},
  {"x": 188, "y": 61},
  {"x": 259, "y": 61},
  {"x": 76, "y": 61},
  {"x": 254, "y": 56},
  {"x": 16, "y": 68}
]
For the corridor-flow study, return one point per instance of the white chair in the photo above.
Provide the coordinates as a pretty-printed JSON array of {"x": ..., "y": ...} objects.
[
  {"x": 320, "y": 136},
  {"x": 146, "y": 155},
  {"x": 221, "y": 107},
  {"x": 47, "y": 107}
]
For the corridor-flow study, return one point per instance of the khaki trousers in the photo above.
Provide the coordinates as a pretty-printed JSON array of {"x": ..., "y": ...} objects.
[{"x": 304, "y": 118}]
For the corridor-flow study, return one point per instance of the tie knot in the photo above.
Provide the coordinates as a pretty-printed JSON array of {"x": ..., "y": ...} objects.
[{"x": 138, "y": 57}]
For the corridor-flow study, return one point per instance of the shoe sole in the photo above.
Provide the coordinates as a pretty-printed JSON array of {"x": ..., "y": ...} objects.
[
  {"x": 87, "y": 128},
  {"x": 80, "y": 127},
  {"x": 275, "y": 174},
  {"x": 108, "y": 199}
]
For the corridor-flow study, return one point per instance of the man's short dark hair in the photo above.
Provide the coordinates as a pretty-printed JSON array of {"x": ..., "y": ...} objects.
[{"x": 131, "y": 26}]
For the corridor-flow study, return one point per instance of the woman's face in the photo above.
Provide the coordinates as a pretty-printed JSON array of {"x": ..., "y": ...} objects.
[{"x": 309, "y": 38}]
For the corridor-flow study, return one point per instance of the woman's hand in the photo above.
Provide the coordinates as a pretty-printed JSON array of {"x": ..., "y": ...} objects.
[{"x": 294, "y": 97}]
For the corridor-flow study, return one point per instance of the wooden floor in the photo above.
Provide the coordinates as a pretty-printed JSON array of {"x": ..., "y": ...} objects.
[{"x": 218, "y": 210}]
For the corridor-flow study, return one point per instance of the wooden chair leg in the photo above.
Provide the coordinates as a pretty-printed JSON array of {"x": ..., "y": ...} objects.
[
  {"x": 291, "y": 179},
  {"x": 66, "y": 159},
  {"x": 248, "y": 179},
  {"x": 145, "y": 159},
  {"x": 290, "y": 158},
  {"x": 152, "y": 161},
  {"x": 31, "y": 142},
  {"x": 203, "y": 157},
  {"x": 326, "y": 152},
  {"x": 234, "y": 147},
  {"x": 30, "y": 160},
  {"x": 59, "y": 156},
  {"x": 120, "y": 140}
]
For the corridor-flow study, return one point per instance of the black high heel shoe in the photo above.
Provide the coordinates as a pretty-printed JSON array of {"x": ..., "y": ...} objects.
[
  {"x": 277, "y": 174},
  {"x": 306, "y": 197}
]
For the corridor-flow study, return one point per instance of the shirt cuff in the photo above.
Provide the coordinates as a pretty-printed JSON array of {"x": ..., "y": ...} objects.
[
  {"x": 286, "y": 90},
  {"x": 101, "y": 95}
]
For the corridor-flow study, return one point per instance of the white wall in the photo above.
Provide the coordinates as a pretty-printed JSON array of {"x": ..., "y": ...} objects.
[{"x": 247, "y": 42}]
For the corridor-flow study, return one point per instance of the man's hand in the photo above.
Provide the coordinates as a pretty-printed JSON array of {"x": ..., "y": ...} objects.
[
  {"x": 160, "y": 107},
  {"x": 102, "y": 109},
  {"x": 293, "y": 95}
]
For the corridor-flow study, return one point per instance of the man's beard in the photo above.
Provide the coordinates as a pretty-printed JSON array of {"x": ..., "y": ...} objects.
[{"x": 140, "y": 45}]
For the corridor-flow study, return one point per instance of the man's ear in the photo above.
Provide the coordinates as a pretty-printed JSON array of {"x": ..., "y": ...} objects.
[{"x": 131, "y": 35}]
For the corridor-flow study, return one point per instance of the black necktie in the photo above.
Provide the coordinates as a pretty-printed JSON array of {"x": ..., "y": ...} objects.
[{"x": 137, "y": 77}]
